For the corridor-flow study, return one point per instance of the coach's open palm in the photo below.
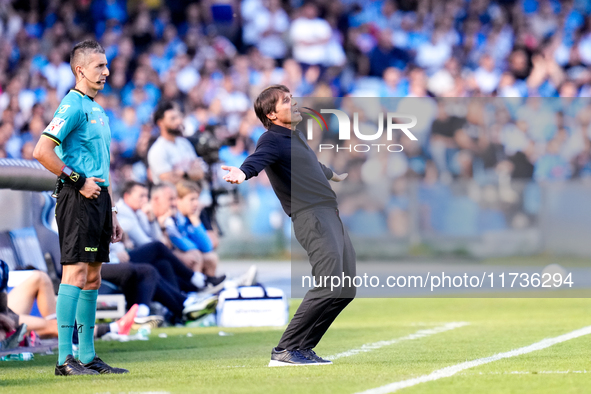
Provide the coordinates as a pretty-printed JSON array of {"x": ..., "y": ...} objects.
[
  {"x": 235, "y": 175},
  {"x": 90, "y": 188},
  {"x": 337, "y": 178}
]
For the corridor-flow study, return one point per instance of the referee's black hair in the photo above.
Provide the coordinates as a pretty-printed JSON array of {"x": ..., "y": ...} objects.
[
  {"x": 84, "y": 48},
  {"x": 162, "y": 107},
  {"x": 266, "y": 102}
]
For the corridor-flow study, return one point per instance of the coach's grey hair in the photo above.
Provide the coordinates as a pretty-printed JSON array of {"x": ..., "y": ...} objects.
[{"x": 81, "y": 51}]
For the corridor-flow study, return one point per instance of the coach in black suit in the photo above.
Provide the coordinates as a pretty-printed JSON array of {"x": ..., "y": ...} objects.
[{"x": 306, "y": 196}]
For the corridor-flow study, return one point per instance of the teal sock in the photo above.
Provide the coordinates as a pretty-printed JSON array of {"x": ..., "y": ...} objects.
[
  {"x": 65, "y": 310},
  {"x": 85, "y": 316}
]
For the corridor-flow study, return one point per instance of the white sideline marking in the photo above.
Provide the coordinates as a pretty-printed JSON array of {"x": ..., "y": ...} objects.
[
  {"x": 522, "y": 372},
  {"x": 454, "y": 369},
  {"x": 368, "y": 347}
]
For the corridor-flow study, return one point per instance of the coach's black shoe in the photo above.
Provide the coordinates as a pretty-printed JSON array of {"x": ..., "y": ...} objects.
[
  {"x": 311, "y": 354},
  {"x": 102, "y": 367},
  {"x": 72, "y": 367},
  {"x": 287, "y": 358}
]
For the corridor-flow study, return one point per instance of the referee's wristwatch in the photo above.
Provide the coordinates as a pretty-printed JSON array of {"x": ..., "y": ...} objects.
[{"x": 114, "y": 210}]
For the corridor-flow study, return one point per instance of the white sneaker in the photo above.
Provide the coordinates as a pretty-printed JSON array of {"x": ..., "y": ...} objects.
[
  {"x": 200, "y": 306},
  {"x": 111, "y": 336},
  {"x": 193, "y": 297},
  {"x": 248, "y": 278},
  {"x": 153, "y": 321}
]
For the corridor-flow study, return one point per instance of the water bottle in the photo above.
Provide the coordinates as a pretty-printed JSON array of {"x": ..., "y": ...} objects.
[
  {"x": 144, "y": 332},
  {"x": 27, "y": 356}
]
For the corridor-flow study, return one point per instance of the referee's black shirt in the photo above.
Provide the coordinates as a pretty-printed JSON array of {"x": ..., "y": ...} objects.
[{"x": 301, "y": 186}]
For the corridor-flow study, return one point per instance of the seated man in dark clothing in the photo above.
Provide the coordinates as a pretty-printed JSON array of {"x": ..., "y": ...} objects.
[
  {"x": 141, "y": 283},
  {"x": 170, "y": 268},
  {"x": 143, "y": 229}
]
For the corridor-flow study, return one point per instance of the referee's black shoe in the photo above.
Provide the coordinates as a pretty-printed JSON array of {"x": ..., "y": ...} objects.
[
  {"x": 72, "y": 367},
  {"x": 311, "y": 354},
  {"x": 102, "y": 367},
  {"x": 289, "y": 358}
]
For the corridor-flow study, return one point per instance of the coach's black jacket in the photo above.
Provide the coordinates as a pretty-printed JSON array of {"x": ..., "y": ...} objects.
[{"x": 301, "y": 186}]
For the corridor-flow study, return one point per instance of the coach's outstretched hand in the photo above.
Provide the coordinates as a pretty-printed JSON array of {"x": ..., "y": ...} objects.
[
  {"x": 90, "y": 188},
  {"x": 235, "y": 175},
  {"x": 337, "y": 178}
]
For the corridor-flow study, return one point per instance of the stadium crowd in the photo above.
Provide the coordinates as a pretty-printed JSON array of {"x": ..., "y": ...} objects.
[{"x": 525, "y": 60}]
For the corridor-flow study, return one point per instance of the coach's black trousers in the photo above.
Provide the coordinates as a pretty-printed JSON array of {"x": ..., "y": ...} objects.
[{"x": 321, "y": 233}]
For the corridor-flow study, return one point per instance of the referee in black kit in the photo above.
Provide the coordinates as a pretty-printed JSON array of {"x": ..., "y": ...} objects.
[{"x": 306, "y": 196}]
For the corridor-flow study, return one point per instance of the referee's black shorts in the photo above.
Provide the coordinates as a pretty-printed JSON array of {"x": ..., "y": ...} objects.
[{"x": 84, "y": 226}]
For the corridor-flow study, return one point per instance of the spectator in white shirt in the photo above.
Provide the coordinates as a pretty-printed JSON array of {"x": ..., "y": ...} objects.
[
  {"x": 486, "y": 76},
  {"x": 249, "y": 10},
  {"x": 310, "y": 36},
  {"x": 234, "y": 103},
  {"x": 58, "y": 73},
  {"x": 433, "y": 54},
  {"x": 270, "y": 23},
  {"x": 186, "y": 76},
  {"x": 172, "y": 157}
]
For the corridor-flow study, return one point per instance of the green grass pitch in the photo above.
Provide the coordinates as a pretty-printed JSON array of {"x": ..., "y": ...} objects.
[{"x": 209, "y": 363}]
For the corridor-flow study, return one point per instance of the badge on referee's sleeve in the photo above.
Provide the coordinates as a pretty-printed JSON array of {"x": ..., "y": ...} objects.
[{"x": 55, "y": 126}]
